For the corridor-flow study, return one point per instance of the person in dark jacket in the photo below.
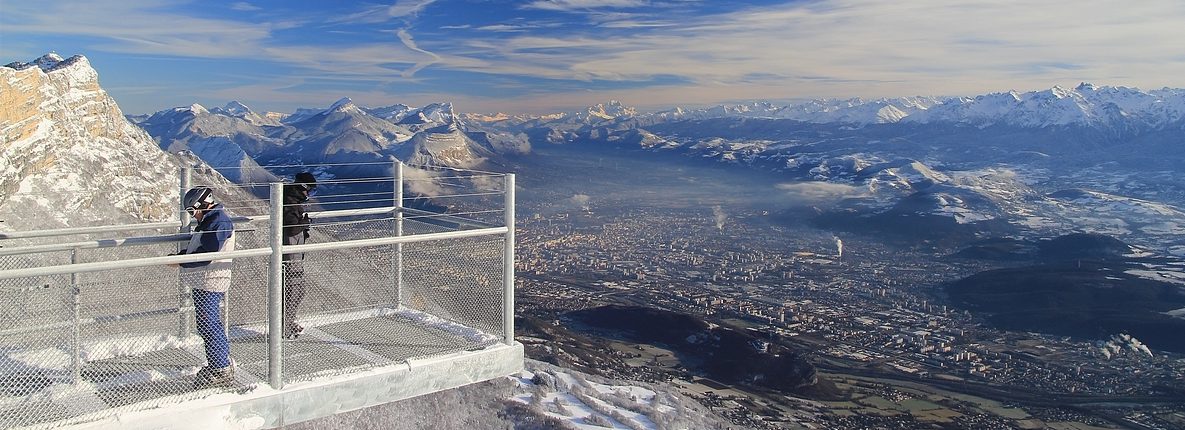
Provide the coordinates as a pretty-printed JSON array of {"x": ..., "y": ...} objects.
[
  {"x": 209, "y": 281},
  {"x": 296, "y": 232}
]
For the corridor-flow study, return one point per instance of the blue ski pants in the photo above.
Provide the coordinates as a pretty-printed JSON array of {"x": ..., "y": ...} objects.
[{"x": 209, "y": 327}]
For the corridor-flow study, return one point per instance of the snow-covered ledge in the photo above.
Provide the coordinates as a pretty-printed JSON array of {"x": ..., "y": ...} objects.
[{"x": 265, "y": 407}]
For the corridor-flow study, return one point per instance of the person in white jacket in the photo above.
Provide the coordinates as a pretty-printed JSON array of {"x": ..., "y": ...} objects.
[{"x": 210, "y": 280}]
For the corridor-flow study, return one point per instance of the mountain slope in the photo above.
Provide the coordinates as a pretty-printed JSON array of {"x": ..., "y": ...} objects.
[
  {"x": 541, "y": 397},
  {"x": 228, "y": 138},
  {"x": 446, "y": 145},
  {"x": 71, "y": 158},
  {"x": 64, "y": 136}
]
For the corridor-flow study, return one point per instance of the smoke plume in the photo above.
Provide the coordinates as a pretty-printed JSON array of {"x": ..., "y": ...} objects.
[
  {"x": 720, "y": 216},
  {"x": 581, "y": 201},
  {"x": 421, "y": 181}
]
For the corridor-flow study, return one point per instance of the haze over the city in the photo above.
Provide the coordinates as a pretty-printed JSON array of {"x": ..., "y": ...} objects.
[{"x": 551, "y": 55}]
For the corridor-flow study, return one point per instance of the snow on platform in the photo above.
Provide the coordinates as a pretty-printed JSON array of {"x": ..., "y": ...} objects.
[{"x": 334, "y": 347}]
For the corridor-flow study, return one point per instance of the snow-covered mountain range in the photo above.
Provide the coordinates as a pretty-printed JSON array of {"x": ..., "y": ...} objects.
[
  {"x": 236, "y": 138},
  {"x": 991, "y": 164},
  {"x": 1083, "y": 105}
]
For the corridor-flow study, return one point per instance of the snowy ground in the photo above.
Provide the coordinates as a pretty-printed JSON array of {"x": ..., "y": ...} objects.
[
  {"x": 541, "y": 397},
  {"x": 127, "y": 373}
]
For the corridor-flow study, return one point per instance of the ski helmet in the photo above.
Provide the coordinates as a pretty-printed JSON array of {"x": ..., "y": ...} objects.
[
  {"x": 306, "y": 181},
  {"x": 198, "y": 198}
]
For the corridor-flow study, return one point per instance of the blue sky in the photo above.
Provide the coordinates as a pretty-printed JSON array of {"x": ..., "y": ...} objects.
[{"x": 540, "y": 56}]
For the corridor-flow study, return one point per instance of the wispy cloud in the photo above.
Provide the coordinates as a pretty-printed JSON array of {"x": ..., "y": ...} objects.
[
  {"x": 547, "y": 54},
  {"x": 375, "y": 14},
  {"x": 244, "y": 7},
  {"x": 403, "y": 8},
  {"x": 155, "y": 31},
  {"x": 582, "y": 5},
  {"x": 636, "y": 24},
  {"x": 505, "y": 28},
  {"x": 861, "y": 47},
  {"x": 410, "y": 43}
]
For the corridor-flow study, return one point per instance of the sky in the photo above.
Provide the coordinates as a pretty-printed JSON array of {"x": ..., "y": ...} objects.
[{"x": 542, "y": 56}]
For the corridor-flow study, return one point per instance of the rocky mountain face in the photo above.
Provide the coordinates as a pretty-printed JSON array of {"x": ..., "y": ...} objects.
[
  {"x": 69, "y": 154},
  {"x": 70, "y": 158}
]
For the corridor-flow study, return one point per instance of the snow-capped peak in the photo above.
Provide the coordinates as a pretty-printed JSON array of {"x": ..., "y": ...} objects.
[
  {"x": 236, "y": 108},
  {"x": 1060, "y": 92},
  {"x": 197, "y": 109},
  {"x": 606, "y": 111},
  {"x": 48, "y": 61},
  {"x": 341, "y": 104},
  {"x": 438, "y": 112}
]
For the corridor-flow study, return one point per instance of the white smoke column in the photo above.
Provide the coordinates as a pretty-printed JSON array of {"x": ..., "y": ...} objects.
[
  {"x": 581, "y": 201},
  {"x": 1138, "y": 346},
  {"x": 421, "y": 181},
  {"x": 838, "y": 248},
  {"x": 721, "y": 217}
]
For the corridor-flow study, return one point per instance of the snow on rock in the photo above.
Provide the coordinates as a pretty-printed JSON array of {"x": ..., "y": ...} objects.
[
  {"x": 70, "y": 156},
  {"x": 1164, "y": 275},
  {"x": 1176, "y": 313},
  {"x": 446, "y": 145},
  {"x": 584, "y": 401}
]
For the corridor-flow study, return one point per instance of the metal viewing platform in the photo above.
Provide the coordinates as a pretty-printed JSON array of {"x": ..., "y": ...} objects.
[{"x": 96, "y": 329}]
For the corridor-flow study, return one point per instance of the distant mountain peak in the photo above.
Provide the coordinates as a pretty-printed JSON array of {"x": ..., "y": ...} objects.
[
  {"x": 341, "y": 104},
  {"x": 1060, "y": 92},
  {"x": 415, "y": 118},
  {"x": 234, "y": 107},
  {"x": 197, "y": 108},
  {"x": 1085, "y": 86},
  {"x": 49, "y": 61},
  {"x": 608, "y": 111}
]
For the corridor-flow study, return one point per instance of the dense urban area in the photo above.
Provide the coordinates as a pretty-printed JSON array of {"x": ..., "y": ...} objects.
[{"x": 870, "y": 317}]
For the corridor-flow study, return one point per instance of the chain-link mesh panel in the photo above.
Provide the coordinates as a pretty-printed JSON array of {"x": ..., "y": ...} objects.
[
  {"x": 92, "y": 343},
  {"x": 88, "y": 345},
  {"x": 459, "y": 280},
  {"x": 35, "y": 328},
  {"x": 103, "y": 344},
  {"x": 356, "y": 307}
]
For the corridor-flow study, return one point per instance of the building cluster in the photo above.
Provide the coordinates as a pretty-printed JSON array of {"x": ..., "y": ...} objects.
[{"x": 873, "y": 308}]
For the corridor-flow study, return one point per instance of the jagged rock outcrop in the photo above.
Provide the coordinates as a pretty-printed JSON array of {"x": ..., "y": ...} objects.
[{"x": 69, "y": 157}]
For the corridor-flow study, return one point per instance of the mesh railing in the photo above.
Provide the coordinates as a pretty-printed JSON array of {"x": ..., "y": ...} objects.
[{"x": 80, "y": 346}]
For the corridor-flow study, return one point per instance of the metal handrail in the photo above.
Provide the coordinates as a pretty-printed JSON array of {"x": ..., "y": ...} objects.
[
  {"x": 93, "y": 244},
  {"x": 30, "y": 234},
  {"x": 153, "y": 240},
  {"x": 66, "y": 269},
  {"x": 88, "y": 230}
]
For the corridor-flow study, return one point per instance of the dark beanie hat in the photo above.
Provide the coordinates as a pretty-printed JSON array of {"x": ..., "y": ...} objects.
[{"x": 306, "y": 179}]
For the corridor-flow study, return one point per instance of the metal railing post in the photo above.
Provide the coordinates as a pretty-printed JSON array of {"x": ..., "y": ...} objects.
[
  {"x": 185, "y": 297},
  {"x": 76, "y": 290},
  {"x": 508, "y": 262},
  {"x": 398, "y": 207},
  {"x": 275, "y": 288}
]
